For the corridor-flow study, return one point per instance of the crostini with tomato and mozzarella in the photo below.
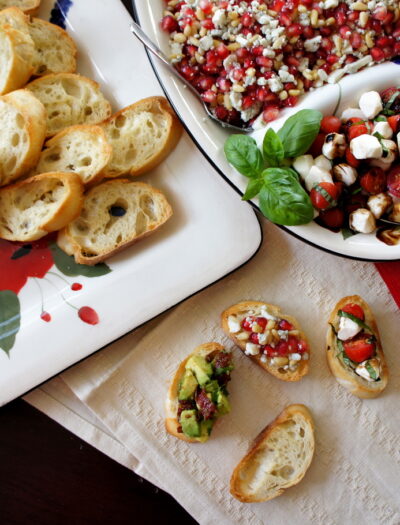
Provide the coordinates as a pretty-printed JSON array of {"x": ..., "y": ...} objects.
[{"x": 354, "y": 349}]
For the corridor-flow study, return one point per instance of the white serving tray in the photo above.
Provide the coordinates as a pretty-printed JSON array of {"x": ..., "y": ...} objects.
[
  {"x": 210, "y": 234},
  {"x": 210, "y": 137}
]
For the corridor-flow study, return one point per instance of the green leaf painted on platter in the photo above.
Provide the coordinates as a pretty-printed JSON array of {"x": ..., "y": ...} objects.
[
  {"x": 346, "y": 233},
  {"x": 10, "y": 318},
  {"x": 67, "y": 265}
]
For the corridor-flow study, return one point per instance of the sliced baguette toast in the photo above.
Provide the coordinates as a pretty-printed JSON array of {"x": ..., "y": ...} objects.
[
  {"x": 141, "y": 135},
  {"x": 70, "y": 99},
  {"x": 55, "y": 50},
  {"x": 41, "y": 204},
  {"x": 23, "y": 127},
  {"x": 289, "y": 363},
  {"x": 16, "y": 59},
  {"x": 81, "y": 149},
  {"x": 29, "y": 7},
  {"x": 341, "y": 366},
  {"x": 174, "y": 406},
  {"x": 278, "y": 459},
  {"x": 115, "y": 215}
]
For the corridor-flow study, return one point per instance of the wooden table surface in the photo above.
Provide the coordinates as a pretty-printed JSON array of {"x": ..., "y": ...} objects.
[{"x": 48, "y": 476}]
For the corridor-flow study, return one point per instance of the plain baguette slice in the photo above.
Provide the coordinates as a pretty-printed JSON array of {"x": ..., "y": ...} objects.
[
  {"x": 172, "y": 403},
  {"x": 41, "y": 204},
  {"x": 55, "y": 50},
  {"x": 70, "y": 99},
  {"x": 278, "y": 459},
  {"x": 15, "y": 65},
  {"x": 29, "y": 7},
  {"x": 141, "y": 135},
  {"x": 23, "y": 128},
  {"x": 102, "y": 231},
  {"x": 81, "y": 149},
  {"x": 247, "y": 306},
  {"x": 355, "y": 384}
]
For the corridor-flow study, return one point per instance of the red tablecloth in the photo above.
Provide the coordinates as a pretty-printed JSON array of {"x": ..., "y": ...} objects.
[{"x": 390, "y": 273}]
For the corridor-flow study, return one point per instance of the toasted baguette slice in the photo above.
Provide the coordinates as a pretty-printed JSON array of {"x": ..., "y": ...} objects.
[
  {"x": 278, "y": 458},
  {"x": 29, "y": 7},
  {"x": 141, "y": 135},
  {"x": 55, "y": 49},
  {"x": 22, "y": 124},
  {"x": 16, "y": 59},
  {"x": 290, "y": 370},
  {"x": 41, "y": 204},
  {"x": 81, "y": 149},
  {"x": 115, "y": 215},
  {"x": 70, "y": 99},
  {"x": 343, "y": 372},
  {"x": 172, "y": 424}
]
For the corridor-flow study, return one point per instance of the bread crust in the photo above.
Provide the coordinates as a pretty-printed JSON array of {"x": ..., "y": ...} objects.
[
  {"x": 32, "y": 10},
  {"x": 19, "y": 70},
  {"x": 66, "y": 241},
  {"x": 68, "y": 211},
  {"x": 345, "y": 376},
  {"x": 151, "y": 104},
  {"x": 287, "y": 413},
  {"x": 171, "y": 405},
  {"x": 244, "y": 306}
]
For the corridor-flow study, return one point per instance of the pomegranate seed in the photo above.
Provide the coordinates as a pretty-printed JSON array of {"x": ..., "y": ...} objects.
[
  {"x": 264, "y": 62},
  {"x": 169, "y": 24},
  {"x": 345, "y": 32},
  {"x": 285, "y": 20},
  {"x": 325, "y": 31},
  {"x": 327, "y": 44},
  {"x": 257, "y": 51},
  {"x": 249, "y": 62},
  {"x": 247, "y": 20},
  {"x": 254, "y": 338},
  {"x": 353, "y": 16},
  {"x": 238, "y": 74},
  {"x": 224, "y": 84},
  {"x": 221, "y": 112},
  {"x": 222, "y": 51},
  {"x": 292, "y": 61},
  {"x": 291, "y": 101},
  {"x": 242, "y": 53},
  {"x": 209, "y": 96},
  {"x": 206, "y": 6},
  {"x": 389, "y": 52},
  {"x": 294, "y": 30},
  {"x": 380, "y": 13},
  {"x": 285, "y": 325},
  {"x": 397, "y": 49},
  {"x": 270, "y": 113},
  {"x": 340, "y": 18},
  {"x": 262, "y": 93},
  {"x": 383, "y": 41},
  {"x": 205, "y": 83},
  {"x": 332, "y": 59},
  {"x": 308, "y": 32},
  {"x": 207, "y": 23},
  {"x": 191, "y": 50},
  {"x": 188, "y": 72},
  {"x": 247, "y": 102},
  {"x": 377, "y": 54}
]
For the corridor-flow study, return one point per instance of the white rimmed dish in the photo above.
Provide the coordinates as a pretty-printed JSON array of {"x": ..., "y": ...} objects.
[
  {"x": 210, "y": 137},
  {"x": 210, "y": 234}
]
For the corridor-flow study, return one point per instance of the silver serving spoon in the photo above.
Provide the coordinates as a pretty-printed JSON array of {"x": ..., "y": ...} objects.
[{"x": 151, "y": 46}]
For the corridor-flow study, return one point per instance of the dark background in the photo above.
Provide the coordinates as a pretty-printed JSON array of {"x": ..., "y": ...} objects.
[{"x": 48, "y": 476}]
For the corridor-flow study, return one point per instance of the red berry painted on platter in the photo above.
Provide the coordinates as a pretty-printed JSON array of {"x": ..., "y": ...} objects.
[
  {"x": 76, "y": 286},
  {"x": 45, "y": 316},
  {"x": 88, "y": 315}
]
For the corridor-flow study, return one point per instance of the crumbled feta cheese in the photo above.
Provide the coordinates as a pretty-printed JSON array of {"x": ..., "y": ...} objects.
[
  {"x": 370, "y": 104},
  {"x": 295, "y": 357},
  {"x": 267, "y": 315},
  {"x": 347, "y": 329},
  {"x": 261, "y": 81},
  {"x": 315, "y": 176},
  {"x": 285, "y": 76},
  {"x": 219, "y": 18},
  {"x": 283, "y": 334},
  {"x": 236, "y": 100},
  {"x": 312, "y": 44},
  {"x": 252, "y": 349},
  {"x": 379, "y": 204},
  {"x": 275, "y": 84},
  {"x": 358, "y": 64},
  {"x": 251, "y": 112},
  {"x": 206, "y": 42},
  {"x": 362, "y": 221},
  {"x": 305, "y": 356},
  {"x": 233, "y": 324},
  {"x": 263, "y": 359},
  {"x": 262, "y": 338},
  {"x": 303, "y": 164},
  {"x": 366, "y": 147}
]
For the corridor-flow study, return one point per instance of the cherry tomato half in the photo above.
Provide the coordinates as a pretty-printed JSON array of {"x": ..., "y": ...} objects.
[
  {"x": 316, "y": 147},
  {"x": 324, "y": 195},
  {"x": 354, "y": 309},
  {"x": 351, "y": 160},
  {"x": 373, "y": 181},
  {"x": 332, "y": 218},
  {"x": 394, "y": 123},
  {"x": 331, "y": 124},
  {"x": 360, "y": 348},
  {"x": 393, "y": 181},
  {"x": 356, "y": 130}
]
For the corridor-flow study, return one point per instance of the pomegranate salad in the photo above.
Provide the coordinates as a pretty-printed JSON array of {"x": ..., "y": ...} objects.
[
  {"x": 254, "y": 57},
  {"x": 342, "y": 172},
  {"x": 357, "y": 343},
  {"x": 275, "y": 340}
]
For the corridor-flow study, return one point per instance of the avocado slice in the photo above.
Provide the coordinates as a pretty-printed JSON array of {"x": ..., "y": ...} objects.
[
  {"x": 201, "y": 369},
  {"x": 212, "y": 387},
  {"x": 205, "y": 430},
  {"x": 223, "y": 404},
  {"x": 187, "y": 386},
  {"x": 190, "y": 425}
]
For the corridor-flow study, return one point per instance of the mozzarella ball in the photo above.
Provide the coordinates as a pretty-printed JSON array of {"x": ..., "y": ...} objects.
[
  {"x": 366, "y": 147},
  {"x": 303, "y": 164},
  {"x": 370, "y": 104},
  {"x": 345, "y": 173},
  {"x": 362, "y": 221},
  {"x": 379, "y": 204},
  {"x": 334, "y": 145},
  {"x": 384, "y": 129},
  {"x": 323, "y": 163},
  {"x": 395, "y": 215},
  {"x": 315, "y": 176},
  {"x": 352, "y": 113}
]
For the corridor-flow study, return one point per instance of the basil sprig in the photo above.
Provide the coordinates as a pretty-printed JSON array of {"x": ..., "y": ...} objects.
[
  {"x": 355, "y": 319},
  {"x": 282, "y": 198},
  {"x": 371, "y": 370}
]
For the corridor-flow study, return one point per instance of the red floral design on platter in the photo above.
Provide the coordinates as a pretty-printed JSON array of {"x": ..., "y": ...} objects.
[{"x": 20, "y": 262}]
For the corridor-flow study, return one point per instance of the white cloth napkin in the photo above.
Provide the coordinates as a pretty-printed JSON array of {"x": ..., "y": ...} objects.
[{"x": 354, "y": 477}]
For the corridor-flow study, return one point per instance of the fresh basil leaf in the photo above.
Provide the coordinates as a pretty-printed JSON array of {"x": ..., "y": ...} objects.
[
  {"x": 242, "y": 152},
  {"x": 283, "y": 200},
  {"x": 371, "y": 370},
  {"x": 380, "y": 118},
  {"x": 354, "y": 319},
  {"x": 273, "y": 148},
  {"x": 253, "y": 188},
  {"x": 300, "y": 131},
  {"x": 347, "y": 361}
]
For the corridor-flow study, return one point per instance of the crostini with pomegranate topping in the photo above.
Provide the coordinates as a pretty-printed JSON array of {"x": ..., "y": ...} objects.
[
  {"x": 354, "y": 349},
  {"x": 272, "y": 339}
]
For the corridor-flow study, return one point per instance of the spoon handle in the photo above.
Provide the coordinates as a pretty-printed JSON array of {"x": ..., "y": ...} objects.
[{"x": 151, "y": 46}]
